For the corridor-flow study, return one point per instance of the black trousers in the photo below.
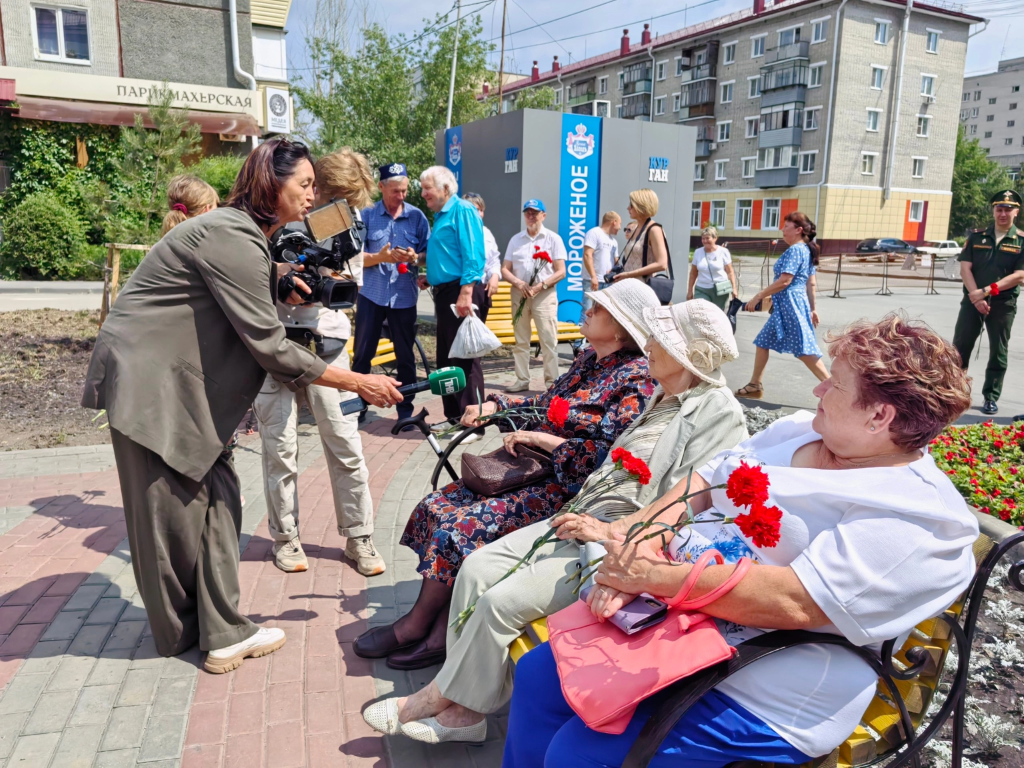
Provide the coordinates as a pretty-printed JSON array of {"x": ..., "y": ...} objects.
[
  {"x": 370, "y": 318},
  {"x": 447, "y": 326},
  {"x": 997, "y": 323}
]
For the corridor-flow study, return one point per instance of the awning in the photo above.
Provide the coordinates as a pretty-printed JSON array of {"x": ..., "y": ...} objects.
[{"x": 99, "y": 113}]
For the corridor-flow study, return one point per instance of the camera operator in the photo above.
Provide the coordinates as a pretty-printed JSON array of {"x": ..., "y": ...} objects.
[
  {"x": 176, "y": 365},
  {"x": 342, "y": 175}
]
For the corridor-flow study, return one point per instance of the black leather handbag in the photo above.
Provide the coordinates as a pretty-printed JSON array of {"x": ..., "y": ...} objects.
[{"x": 663, "y": 285}]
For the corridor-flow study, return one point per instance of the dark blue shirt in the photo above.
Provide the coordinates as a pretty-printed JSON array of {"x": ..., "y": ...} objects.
[{"x": 382, "y": 283}]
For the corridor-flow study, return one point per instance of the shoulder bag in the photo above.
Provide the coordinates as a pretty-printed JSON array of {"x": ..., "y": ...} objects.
[
  {"x": 662, "y": 284},
  {"x": 722, "y": 287},
  {"x": 606, "y": 673},
  {"x": 498, "y": 472}
]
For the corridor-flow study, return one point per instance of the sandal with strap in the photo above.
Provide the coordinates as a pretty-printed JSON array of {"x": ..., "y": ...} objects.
[{"x": 751, "y": 391}]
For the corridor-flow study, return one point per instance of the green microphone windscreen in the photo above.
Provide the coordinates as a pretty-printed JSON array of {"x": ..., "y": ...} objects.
[{"x": 447, "y": 381}]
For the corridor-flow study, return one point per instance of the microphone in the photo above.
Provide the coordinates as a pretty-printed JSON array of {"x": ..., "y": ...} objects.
[{"x": 443, "y": 381}]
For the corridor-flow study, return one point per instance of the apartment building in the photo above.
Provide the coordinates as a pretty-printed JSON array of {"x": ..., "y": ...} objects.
[
  {"x": 990, "y": 113},
  {"x": 844, "y": 109},
  {"x": 98, "y": 61}
]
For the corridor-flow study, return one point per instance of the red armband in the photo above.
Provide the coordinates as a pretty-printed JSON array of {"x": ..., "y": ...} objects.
[{"x": 993, "y": 289}]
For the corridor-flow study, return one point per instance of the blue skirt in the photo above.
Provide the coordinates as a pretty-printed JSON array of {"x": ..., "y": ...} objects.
[{"x": 789, "y": 328}]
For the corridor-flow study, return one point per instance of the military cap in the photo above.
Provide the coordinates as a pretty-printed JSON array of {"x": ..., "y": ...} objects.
[{"x": 1006, "y": 197}]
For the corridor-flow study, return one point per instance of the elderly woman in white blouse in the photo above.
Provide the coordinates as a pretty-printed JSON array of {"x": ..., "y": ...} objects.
[
  {"x": 711, "y": 274},
  {"x": 874, "y": 540},
  {"x": 690, "y": 418}
]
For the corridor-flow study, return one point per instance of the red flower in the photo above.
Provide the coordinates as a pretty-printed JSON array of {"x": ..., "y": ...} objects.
[
  {"x": 542, "y": 256},
  {"x": 998, "y": 445},
  {"x": 762, "y": 525},
  {"x": 637, "y": 467},
  {"x": 1004, "y": 513},
  {"x": 403, "y": 268},
  {"x": 558, "y": 411},
  {"x": 618, "y": 454},
  {"x": 747, "y": 485}
]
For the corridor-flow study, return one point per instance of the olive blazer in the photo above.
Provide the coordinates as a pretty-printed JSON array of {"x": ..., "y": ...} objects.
[{"x": 190, "y": 339}]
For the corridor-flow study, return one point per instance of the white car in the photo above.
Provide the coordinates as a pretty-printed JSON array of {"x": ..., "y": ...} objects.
[{"x": 941, "y": 248}]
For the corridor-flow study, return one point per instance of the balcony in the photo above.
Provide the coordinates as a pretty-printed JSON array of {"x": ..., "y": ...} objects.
[
  {"x": 793, "y": 93},
  {"x": 798, "y": 50},
  {"x": 636, "y": 87},
  {"x": 780, "y": 137},
  {"x": 592, "y": 108},
  {"x": 776, "y": 177},
  {"x": 701, "y": 72},
  {"x": 636, "y": 108},
  {"x": 581, "y": 98},
  {"x": 703, "y": 148},
  {"x": 696, "y": 112}
]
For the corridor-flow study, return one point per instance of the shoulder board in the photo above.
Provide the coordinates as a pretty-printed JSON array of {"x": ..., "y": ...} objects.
[{"x": 976, "y": 231}]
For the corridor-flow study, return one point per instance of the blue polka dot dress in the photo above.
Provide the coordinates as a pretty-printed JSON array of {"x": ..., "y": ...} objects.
[{"x": 789, "y": 328}]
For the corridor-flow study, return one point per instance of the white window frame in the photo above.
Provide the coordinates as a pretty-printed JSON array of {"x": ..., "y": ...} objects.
[
  {"x": 743, "y": 166},
  {"x": 731, "y": 85},
  {"x": 878, "y": 68},
  {"x": 676, "y": 99},
  {"x": 695, "y": 208},
  {"x": 814, "y": 28},
  {"x": 622, "y": 80},
  {"x": 770, "y": 206},
  {"x": 933, "y": 80},
  {"x": 618, "y": 111},
  {"x": 602, "y": 85},
  {"x": 754, "y": 46},
  {"x": 863, "y": 157},
  {"x": 718, "y": 131},
  {"x": 920, "y": 216},
  {"x": 819, "y": 67},
  {"x": 721, "y": 167},
  {"x": 977, "y": 95},
  {"x": 679, "y": 66},
  {"x": 811, "y": 153},
  {"x": 716, "y": 209},
  {"x": 754, "y": 84},
  {"x": 927, "y": 126},
  {"x": 881, "y": 24},
  {"x": 558, "y": 95},
  {"x": 725, "y": 52},
  {"x": 790, "y": 28},
  {"x": 700, "y": 171},
  {"x": 913, "y": 167},
  {"x": 878, "y": 119},
  {"x": 810, "y": 113},
  {"x": 748, "y": 121},
  {"x": 58, "y": 10},
  {"x": 974, "y": 111},
  {"x": 659, "y": 106},
  {"x": 749, "y": 209},
  {"x": 974, "y": 130},
  {"x": 661, "y": 70},
  {"x": 928, "y": 32}
]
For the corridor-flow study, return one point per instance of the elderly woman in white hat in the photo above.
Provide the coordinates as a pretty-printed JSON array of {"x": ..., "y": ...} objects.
[{"x": 691, "y": 416}]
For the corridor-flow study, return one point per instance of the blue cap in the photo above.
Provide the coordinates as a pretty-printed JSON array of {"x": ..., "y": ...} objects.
[
  {"x": 537, "y": 205},
  {"x": 391, "y": 170}
]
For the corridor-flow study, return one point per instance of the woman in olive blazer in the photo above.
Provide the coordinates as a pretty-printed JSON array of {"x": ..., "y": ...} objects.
[{"x": 177, "y": 364}]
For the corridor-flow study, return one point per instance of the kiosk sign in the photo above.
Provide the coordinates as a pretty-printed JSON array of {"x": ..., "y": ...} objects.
[{"x": 579, "y": 190}]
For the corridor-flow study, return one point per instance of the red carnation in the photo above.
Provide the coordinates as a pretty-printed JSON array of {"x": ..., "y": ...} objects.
[
  {"x": 403, "y": 268},
  {"x": 618, "y": 454},
  {"x": 762, "y": 525},
  {"x": 747, "y": 485},
  {"x": 542, "y": 256},
  {"x": 558, "y": 411},
  {"x": 634, "y": 465}
]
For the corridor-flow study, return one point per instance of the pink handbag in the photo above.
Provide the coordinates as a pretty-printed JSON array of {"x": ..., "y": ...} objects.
[{"x": 606, "y": 673}]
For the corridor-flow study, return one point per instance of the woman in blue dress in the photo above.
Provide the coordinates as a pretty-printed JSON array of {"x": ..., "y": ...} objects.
[{"x": 790, "y": 328}]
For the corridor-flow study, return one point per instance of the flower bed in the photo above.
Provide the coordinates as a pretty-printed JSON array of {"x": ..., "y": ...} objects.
[{"x": 986, "y": 464}]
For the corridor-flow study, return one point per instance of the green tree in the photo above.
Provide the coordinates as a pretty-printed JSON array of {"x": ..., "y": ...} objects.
[
  {"x": 43, "y": 238},
  {"x": 531, "y": 98},
  {"x": 975, "y": 179}
]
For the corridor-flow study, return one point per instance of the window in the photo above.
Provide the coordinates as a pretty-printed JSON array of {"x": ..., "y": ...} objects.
[
  {"x": 744, "y": 213},
  {"x": 963, "y": 114},
  {"x": 1007, "y": 142},
  {"x": 974, "y": 112},
  {"x": 881, "y": 32},
  {"x": 661, "y": 70},
  {"x": 61, "y": 34},
  {"x": 867, "y": 163},
  {"x": 989, "y": 118},
  {"x": 811, "y": 118},
  {"x": 700, "y": 171},
  {"x": 977, "y": 95},
  {"x": 558, "y": 96},
  {"x": 776, "y": 157},
  {"x": 988, "y": 134},
  {"x": 928, "y": 85},
  {"x": 873, "y": 118},
  {"x": 695, "y": 214},
  {"x": 724, "y": 131},
  {"x": 1015, "y": 89},
  {"x": 718, "y": 213},
  {"x": 916, "y": 210},
  {"x": 618, "y": 110},
  {"x": 932, "y": 41},
  {"x": 757, "y": 46},
  {"x": 788, "y": 115},
  {"x": 974, "y": 130},
  {"x": 807, "y": 160},
  {"x": 720, "y": 169},
  {"x": 701, "y": 57},
  {"x": 679, "y": 66},
  {"x": 918, "y": 170},
  {"x": 816, "y": 72},
  {"x": 789, "y": 36},
  {"x": 770, "y": 213},
  {"x": 659, "y": 106},
  {"x": 923, "y": 125},
  {"x": 602, "y": 85},
  {"x": 675, "y": 102},
  {"x": 991, "y": 101},
  {"x": 622, "y": 80},
  {"x": 727, "y": 92},
  {"x": 877, "y": 77},
  {"x": 752, "y": 123},
  {"x": 754, "y": 87},
  {"x": 967, "y": 97},
  {"x": 749, "y": 164},
  {"x": 819, "y": 30},
  {"x": 729, "y": 53},
  {"x": 1009, "y": 123}
]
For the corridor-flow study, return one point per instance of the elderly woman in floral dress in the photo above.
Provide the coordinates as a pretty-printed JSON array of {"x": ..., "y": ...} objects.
[{"x": 606, "y": 387}]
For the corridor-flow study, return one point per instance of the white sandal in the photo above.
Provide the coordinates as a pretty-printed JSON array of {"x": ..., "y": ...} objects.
[
  {"x": 383, "y": 717},
  {"x": 430, "y": 731}
]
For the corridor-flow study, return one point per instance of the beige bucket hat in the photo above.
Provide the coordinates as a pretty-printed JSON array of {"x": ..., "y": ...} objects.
[
  {"x": 696, "y": 334},
  {"x": 626, "y": 300}
]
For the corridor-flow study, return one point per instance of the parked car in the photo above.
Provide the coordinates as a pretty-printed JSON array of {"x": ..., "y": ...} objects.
[
  {"x": 885, "y": 245},
  {"x": 941, "y": 248}
]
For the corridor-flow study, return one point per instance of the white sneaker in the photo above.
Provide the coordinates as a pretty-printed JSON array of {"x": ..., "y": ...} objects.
[
  {"x": 266, "y": 640},
  {"x": 289, "y": 557},
  {"x": 361, "y": 550},
  {"x": 518, "y": 386}
]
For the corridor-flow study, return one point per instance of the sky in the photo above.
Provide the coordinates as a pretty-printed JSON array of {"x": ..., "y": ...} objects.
[{"x": 598, "y": 30}]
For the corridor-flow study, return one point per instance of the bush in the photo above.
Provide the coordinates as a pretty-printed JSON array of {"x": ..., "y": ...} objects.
[
  {"x": 219, "y": 171},
  {"x": 42, "y": 238}
]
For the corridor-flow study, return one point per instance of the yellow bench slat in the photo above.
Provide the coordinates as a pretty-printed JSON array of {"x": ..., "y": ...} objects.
[{"x": 859, "y": 748}]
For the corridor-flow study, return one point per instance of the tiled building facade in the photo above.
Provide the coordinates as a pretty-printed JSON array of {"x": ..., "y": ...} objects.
[
  {"x": 795, "y": 106},
  {"x": 992, "y": 111}
]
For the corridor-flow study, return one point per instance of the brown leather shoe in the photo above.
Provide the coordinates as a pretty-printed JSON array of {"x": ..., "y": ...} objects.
[
  {"x": 379, "y": 642},
  {"x": 417, "y": 657}
]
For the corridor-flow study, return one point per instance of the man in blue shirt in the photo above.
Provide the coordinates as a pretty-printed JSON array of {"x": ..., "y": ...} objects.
[
  {"x": 396, "y": 238},
  {"x": 455, "y": 270}
]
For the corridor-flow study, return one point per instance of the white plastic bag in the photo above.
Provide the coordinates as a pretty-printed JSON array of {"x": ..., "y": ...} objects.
[{"x": 474, "y": 339}]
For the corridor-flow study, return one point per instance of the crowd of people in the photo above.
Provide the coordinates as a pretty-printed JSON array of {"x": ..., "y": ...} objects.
[{"x": 870, "y": 538}]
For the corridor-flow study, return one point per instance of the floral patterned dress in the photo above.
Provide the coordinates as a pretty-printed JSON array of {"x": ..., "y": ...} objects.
[{"x": 605, "y": 396}]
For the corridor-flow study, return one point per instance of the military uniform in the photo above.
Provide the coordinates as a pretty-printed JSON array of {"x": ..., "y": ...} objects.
[{"x": 991, "y": 262}]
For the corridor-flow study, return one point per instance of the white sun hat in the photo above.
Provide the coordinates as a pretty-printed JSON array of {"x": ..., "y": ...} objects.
[
  {"x": 697, "y": 335},
  {"x": 626, "y": 300}
]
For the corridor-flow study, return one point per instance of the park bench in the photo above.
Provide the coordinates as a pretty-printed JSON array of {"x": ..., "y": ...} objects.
[
  {"x": 499, "y": 320},
  {"x": 908, "y": 678}
]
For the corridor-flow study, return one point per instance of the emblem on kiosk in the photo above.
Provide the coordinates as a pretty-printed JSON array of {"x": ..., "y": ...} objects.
[
  {"x": 579, "y": 144},
  {"x": 455, "y": 151}
]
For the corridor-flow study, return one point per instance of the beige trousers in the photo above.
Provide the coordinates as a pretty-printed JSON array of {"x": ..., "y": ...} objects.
[
  {"x": 276, "y": 408},
  {"x": 477, "y": 673},
  {"x": 543, "y": 310}
]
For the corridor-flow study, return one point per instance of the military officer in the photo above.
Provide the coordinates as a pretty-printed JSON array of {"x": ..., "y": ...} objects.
[{"x": 992, "y": 268}]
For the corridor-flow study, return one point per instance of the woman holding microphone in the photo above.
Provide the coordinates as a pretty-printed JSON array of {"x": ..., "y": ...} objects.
[{"x": 177, "y": 364}]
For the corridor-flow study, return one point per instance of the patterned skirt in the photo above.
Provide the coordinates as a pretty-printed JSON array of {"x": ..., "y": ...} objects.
[{"x": 453, "y": 522}]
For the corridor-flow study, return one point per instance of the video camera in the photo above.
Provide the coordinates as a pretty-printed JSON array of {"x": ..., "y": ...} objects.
[
  {"x": 323, "y": 266},
  {"x": 618, "y": 269}
]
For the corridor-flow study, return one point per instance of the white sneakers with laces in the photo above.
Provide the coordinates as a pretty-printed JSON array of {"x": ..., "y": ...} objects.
[
  {"x": 266, "y": 640},
  {"x": 360, "y": 549},
  {"x": 289, "y": 557}
]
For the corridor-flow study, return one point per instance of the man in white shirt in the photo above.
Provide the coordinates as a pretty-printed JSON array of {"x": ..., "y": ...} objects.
[
  {"x": 600, "y": 249},
  {"x": 492, "y": 267},
  {"x": 533, "y": 282}
]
